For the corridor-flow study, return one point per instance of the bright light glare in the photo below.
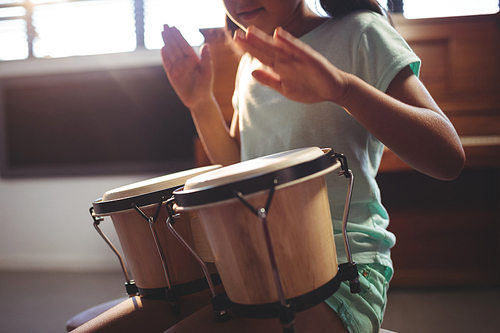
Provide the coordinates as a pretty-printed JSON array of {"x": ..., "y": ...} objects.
[
  {"x": 36, "y": 2},
  {"x": 441, "y": 8},
  {"x": 108, "y": 26},
  {"x": 12, "y": 11},
  {"x": 6, "y": 2},
  {"x": 187, "y": 16},
  {"x": 83, "y": 28},
  {"x": 14, "y": 34}
]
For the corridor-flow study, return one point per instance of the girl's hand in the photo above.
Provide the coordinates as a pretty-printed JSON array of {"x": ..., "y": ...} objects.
[
  {"x": 190, "y": 76},
  {"x": 296, "y": 70},
  {"x": 406, "y": 119}
]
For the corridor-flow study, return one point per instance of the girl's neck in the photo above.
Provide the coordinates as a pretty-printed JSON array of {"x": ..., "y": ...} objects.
[{"x": 303, "y": 21}]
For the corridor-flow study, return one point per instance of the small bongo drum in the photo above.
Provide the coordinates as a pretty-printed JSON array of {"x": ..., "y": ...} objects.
[
  {"x": 267, "y": 222},
  {"x": 160, "y": 265}
]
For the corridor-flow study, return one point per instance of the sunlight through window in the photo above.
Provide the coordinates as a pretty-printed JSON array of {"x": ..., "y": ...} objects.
[
  {"x": 14, "y": 34},
  {"x": 442, "y": 8},
  {"x": 83, "y": 28},
  {"x": 61, "y": 28},
  {"x": 187, "y": 16}
]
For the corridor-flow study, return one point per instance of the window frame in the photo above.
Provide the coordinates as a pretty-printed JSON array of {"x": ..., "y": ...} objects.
[{"x": 31, "y": 32}]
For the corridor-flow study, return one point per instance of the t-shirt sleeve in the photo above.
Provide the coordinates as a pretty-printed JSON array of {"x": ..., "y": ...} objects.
[{"x": 382, "y": 53}]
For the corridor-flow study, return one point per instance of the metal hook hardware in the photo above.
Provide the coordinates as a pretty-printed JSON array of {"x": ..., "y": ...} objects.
[
  {"x": 343, "y": 165},
  {"x": 347, "y": 173},
  {"x": 216, "y": 301},
  {"x": 130, "y": 286},
  {"x": 151, "y": 221}
]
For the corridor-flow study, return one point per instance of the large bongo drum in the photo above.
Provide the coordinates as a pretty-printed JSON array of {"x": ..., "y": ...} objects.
[
  {"x": 267, "y": 222},
  {"x": 160, "y": 265}
]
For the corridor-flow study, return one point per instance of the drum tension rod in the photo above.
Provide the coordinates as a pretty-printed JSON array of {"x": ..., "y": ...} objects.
[
  {"x": 286, "y": 313},
  {"x": 268, "y": 201},
  {"x": 350, "y": 266},
  {"x": 130, "y": 286},
  {"x": 220, "y": 303},
  {"x": 172, "y": 297}
]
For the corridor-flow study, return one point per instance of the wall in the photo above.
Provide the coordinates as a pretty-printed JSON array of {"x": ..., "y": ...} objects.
[{"x": 44, "y": 221}]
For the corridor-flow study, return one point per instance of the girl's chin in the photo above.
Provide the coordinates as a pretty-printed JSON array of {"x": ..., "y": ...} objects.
[{"x": 247, "y": 17}]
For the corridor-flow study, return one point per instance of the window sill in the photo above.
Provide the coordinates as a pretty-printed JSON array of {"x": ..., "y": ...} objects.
[{"x": 37, "y": 66}]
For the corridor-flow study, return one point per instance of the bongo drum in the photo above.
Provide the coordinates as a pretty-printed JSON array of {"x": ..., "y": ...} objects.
[
  {"x": 267, "y": 223},
  {"x": 160, "y": 265}
]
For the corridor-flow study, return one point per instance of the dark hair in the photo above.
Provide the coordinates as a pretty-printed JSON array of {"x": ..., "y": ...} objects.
[
  {"x": 339, "y": 7},
  {"x": 230, "y": 25}
]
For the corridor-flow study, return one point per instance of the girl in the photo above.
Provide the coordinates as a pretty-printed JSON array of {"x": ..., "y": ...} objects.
[{"x": 348, "y": 82}]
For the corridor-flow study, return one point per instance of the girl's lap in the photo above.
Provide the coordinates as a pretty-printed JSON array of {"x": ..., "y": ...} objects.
[{"x": 319, "y": 318}]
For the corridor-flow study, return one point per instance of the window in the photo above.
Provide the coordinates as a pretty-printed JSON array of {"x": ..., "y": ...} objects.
[
  {"x": 61, "y": 28},
  {"x": 441, "y": 8},
  {"x": 13, "y": 30},
  {"x": 83, "y": 27}
]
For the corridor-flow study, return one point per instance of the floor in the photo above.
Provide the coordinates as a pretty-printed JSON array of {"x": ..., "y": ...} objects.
[{"x": 39, "y": 302}]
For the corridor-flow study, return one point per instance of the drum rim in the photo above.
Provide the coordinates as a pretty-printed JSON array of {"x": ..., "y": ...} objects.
[
  {"x": 108, "y": 207},
  {"x": 194, "y": 198}
]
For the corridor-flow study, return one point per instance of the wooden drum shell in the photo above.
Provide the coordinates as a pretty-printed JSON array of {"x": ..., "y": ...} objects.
[
  {"x": 134, "y": 232},
  {"x": 302, "y": 236},
  {"x": 141, "y": 253}
]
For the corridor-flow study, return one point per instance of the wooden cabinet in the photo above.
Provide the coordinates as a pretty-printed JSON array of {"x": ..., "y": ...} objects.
[{"x": 448, "y": 233}]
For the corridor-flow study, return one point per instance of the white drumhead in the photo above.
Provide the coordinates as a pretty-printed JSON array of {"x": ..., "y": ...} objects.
[
  {"x": 156, "y": 184},
  {"x": 253, "y": 168}
]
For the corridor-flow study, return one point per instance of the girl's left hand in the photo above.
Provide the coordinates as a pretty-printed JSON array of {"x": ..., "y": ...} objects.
[{"x": 296, "y": 70}]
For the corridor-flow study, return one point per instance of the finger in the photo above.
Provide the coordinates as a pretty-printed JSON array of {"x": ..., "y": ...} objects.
[
  {"x": 259, "y": 36},
  {"x": 166, "y": 28},
  {"x": 289, "y": 43},
  {"x": 270, "y": 79},
  {"x": 259, "y": 45},
  {"x": 172, "y": 51},
  {"x": 183, "y": 46},
  {"x": 264, "y": 43},
  {"x": 167, "y": 64},
  {"x": 206, "y": 60}
]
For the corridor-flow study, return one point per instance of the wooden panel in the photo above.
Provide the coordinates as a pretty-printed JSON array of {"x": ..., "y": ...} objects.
[
  {"x": 460, "y": 68},
  {"x": 459, "y": 56},
  {"x": 484, "y": 123},
  {"x": 447, "y": 232},
  {"x": 477, "y": 157},
  {"x": 436, "y": 63}
]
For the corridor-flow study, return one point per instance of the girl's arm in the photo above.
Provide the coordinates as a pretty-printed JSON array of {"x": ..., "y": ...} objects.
[
  {"x": 192, "y": 79},
  {"x": 409, "y": 122},
  {"x": 405, "y": 119},
  {"x": 220, "y": 144}
]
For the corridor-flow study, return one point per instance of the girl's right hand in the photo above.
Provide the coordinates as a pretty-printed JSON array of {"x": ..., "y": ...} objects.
[{"x": 190, "y": 76}]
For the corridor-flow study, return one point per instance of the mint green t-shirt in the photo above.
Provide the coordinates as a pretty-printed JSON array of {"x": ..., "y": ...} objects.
[{"x": 364, "y": 44}]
